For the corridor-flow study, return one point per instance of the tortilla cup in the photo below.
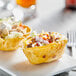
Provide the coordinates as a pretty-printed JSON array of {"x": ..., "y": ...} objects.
[
  {"x": 43, "y": 54},
  {"x": 9, "y": 44}
]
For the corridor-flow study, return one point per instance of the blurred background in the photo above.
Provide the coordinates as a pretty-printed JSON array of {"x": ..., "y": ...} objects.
[
  {"x": 47, "y": 15},
  {"x": 50, "y": 15}
]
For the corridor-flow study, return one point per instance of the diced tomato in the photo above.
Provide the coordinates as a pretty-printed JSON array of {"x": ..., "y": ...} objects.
[
  {"x": 24, "y": 26},
  {"x": 50, "y": 41},
  {"x": 20, "y": 25},
  {"x": 44, "y": 38},
  {"x": 37, "y": 44},
  {"x": 47, "y": 35}
]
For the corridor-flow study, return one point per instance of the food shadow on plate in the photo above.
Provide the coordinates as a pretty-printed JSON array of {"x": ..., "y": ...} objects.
[{"x": 26, "y": 66}]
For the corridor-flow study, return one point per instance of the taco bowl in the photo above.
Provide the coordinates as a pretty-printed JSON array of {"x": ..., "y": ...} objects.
[
  {"x": 11, "y": 34},
  {"x": 46, "y": 53}
]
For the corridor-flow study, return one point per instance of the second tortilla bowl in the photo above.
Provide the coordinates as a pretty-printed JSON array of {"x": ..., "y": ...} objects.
[{"x": 11, "y": 34}]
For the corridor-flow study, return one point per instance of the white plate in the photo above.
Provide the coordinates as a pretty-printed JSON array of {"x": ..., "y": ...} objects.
[{"x": 17, "y": 63}]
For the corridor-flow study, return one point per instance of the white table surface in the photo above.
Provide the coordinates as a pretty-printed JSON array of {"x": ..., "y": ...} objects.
[
  {"x": 52, "y": 17},
  {"x": 17, "y": 63}
]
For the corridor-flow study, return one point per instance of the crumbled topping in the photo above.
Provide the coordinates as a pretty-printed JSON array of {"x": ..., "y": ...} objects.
[
  {"x": 10, "y": 25},
  {"x": 43, "y": 39}
]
